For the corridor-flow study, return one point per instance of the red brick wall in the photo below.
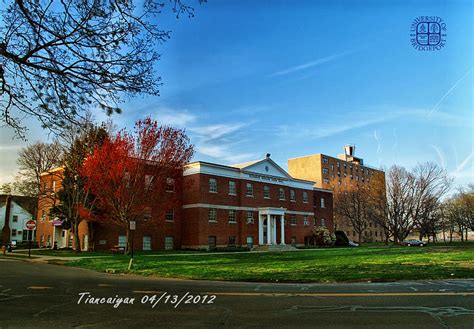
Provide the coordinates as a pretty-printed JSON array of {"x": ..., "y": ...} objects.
[{"x": 197, "y": 228}]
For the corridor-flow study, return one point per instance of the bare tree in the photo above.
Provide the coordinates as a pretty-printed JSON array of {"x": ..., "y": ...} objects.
[
  {"x": 413, "y": 197},
  {"x": 59, "y": 58},
  {"x": 33, "y": 160},
  {"x": 460, "y": 213},
  {"x": 353, "y": 204}
]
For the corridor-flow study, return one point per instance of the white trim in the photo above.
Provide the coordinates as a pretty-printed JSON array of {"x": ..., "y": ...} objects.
[
  {"x": 216, "y": 206},
  {"x": 235, "y": 173}
]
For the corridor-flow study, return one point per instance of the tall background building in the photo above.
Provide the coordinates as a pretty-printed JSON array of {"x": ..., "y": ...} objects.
[{"x": 327, "y": 171}]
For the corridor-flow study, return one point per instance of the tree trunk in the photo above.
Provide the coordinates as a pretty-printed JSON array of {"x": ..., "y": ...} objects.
[
  {"x": 126, "y": 250},
  {"x": 77, "y": 242},
  {"x": 360, "y": 237}
]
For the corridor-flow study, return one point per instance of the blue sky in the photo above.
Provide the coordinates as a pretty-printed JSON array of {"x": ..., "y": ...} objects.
[{"x": 250, "y": 77}]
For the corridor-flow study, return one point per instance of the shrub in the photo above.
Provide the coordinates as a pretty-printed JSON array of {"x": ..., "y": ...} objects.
[
  {"x": 322, "y": 237},
  {"x": 341, "y": 239}
]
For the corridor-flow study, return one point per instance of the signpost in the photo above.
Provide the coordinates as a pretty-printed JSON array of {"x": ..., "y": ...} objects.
[
  {"x": 30, "y": 226},
  {"x": 133, "y": 226}
]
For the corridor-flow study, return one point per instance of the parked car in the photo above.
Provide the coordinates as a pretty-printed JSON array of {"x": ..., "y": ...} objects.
[
  {"x": 353, "y": 244},
  {"x": 414, "y": 243}
]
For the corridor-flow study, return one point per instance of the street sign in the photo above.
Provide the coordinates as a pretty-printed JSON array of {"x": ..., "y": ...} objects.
[{"x": 30, "y": 225}]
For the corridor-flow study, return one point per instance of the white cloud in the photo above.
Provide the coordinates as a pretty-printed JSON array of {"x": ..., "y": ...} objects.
[
  {"x": 216, "y": 131},
  {"x": 180, "y": 118}
]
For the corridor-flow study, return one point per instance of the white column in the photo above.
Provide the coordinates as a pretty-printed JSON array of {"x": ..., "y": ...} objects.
[
  {"x": 269, "y": 235},
  {"x": 274, "y": 230},
  {"x": 260, "y": 230},
  {"x": 282, "y": 230}
]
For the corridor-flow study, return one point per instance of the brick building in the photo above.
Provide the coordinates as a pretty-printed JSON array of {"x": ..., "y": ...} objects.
[
  {"x": 249, "y": 204},
  {"x": 325, "y": 171}
]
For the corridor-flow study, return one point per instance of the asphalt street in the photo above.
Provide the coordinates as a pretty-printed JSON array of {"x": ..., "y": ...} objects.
[{"x": 36, "y": 295}]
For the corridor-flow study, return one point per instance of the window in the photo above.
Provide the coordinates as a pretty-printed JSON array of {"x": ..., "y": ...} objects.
[
  {"x": 352, "y": 176},
  {"x": 325, "y": 160},
  {"x": 292, "y": 195},
  {"x": 282, "y": 193},
  {"x": 169, "y": 215},
  {"x": 15, "y": 218},
  {"x": 339, "y": 165},
  {"x": 345, "y": 165},
  {"x": 170, "y": 183},
  {"x": 213, "y": 215},
  {"x": 232, "y": 216},
  {"x": 266, "y": 192},
  {"x": 339, "y": 173},
  {"x": 354, "y": 233},
  {"x": 370, "y": 224},
  {"x": 314, "y": 221},
  {"x": 147, "y": 242},
  {"x": 232, "y": 188},
  {"x": 332, "y": 167},
  {"x": 232, "y": 241},
  {"x": 13, "y": 232},
  {"x": 357, "y": 178},
  {"x": 122, "y": 241},
  {"x": 293, "y": 220},
  {"x": 305, "y": 197},
  {"x": 326, "y": 181},
  {"x": 322, "y": 203},
  {"x": 249, "y": 217},
  {"x": 212, "y": 185},
  {"x": 325, "y": 171},
  {"x": 211, "y": 242},
  {"x": 305, "y": 220},
  {"x": 169, "y": 245},
  {"x": 249, "y": 189},
  {"x": 250, "y": 242},
  {"x": 376, "y": 233},
  {"x": 323, "y": 222}
]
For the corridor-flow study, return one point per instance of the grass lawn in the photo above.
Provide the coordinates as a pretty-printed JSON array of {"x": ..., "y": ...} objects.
[{"x": 320, "y": 265}]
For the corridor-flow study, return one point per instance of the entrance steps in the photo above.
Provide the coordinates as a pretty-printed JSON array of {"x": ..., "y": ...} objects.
[{"x": 274, "y": 247}]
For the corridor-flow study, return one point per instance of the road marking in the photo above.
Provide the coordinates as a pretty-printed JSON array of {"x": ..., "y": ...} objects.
[
  {"x": 381, "y": 294},
  {"x": 39, "y": 287}
]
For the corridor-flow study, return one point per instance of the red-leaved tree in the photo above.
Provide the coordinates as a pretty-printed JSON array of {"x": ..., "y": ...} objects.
[{"x": 130, "y": 174}]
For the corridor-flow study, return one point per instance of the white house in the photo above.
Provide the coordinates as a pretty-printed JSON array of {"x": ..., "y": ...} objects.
[{"x": 22, "y": 210}]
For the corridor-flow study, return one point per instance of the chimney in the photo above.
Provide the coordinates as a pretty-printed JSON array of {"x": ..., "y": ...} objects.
[{"x": 268, "y": 155}]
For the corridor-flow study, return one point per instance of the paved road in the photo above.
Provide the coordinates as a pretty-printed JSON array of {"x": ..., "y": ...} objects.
[{"x": 36, "y": 295}]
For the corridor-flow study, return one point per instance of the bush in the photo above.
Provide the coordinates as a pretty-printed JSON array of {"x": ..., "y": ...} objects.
[
  {"x": 322, "y": 237},
  {"x": 341, "y": 239}
]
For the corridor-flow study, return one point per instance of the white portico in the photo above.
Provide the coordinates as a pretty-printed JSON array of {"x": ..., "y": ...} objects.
[{"x": 267, "y": 225}]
